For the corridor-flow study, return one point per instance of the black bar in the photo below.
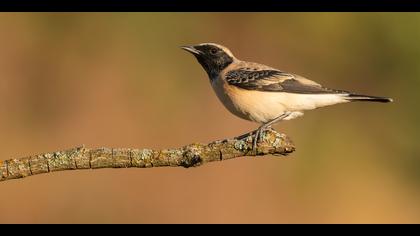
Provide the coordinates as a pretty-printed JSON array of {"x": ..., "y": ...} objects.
[{"x": 211, "y": 5}]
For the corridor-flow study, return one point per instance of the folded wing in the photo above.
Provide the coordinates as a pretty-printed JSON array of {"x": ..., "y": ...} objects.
[{"x": 271, "y": 80}]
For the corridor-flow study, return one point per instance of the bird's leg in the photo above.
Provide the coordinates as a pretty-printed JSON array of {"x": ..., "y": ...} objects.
[
  {"x": 256, "y": 135},
  {"x": 265, "y": 126}
]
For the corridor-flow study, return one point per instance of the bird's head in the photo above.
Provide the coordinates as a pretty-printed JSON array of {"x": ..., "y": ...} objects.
[{"x": 213, "y": 57}]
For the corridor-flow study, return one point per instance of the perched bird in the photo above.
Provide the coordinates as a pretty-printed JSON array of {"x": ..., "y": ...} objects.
[{"x": 263, "y": 94}]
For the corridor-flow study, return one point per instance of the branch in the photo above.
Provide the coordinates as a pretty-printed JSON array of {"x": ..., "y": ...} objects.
[{"x": 188, "y": 156}]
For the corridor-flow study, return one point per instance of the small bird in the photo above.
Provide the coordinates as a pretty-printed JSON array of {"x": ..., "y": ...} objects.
[{"x": 263, "y": 94}]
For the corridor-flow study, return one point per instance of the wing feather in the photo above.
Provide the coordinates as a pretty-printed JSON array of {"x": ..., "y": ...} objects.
[{"x": 271, "y": 80}]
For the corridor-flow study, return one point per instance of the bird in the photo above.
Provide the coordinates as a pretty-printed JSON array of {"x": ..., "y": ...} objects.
[{"x": 263, "y": 94}]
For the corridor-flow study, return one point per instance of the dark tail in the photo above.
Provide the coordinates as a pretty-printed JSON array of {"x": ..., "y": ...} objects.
[{"x": 365, "y": 98}]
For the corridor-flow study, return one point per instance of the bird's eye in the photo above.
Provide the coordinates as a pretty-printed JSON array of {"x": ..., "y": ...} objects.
[{"x": 213, "y": 51}]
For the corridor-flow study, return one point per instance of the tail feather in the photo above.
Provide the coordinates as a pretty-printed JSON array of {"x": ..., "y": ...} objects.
[{"x": 366, "y": 98}]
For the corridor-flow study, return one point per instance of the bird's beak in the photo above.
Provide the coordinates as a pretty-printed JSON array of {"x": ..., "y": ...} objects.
[{"x": 191, "y": 49}]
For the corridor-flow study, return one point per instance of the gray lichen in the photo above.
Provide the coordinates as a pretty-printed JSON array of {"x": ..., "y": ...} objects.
[{"x": 241, "y": 145}]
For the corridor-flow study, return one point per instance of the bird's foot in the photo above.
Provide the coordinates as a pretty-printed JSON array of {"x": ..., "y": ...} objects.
[{"x": 258, "y": 133}]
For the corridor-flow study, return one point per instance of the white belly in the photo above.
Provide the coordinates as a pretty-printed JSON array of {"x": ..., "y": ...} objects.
[{"x": 262, "y": 107}]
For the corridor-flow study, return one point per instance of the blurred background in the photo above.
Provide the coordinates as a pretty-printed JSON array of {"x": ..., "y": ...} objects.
[{"x": 121, "y": 80}]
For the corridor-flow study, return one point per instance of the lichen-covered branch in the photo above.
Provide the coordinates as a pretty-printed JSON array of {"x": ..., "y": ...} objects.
[{"x": 191, "y": 155}]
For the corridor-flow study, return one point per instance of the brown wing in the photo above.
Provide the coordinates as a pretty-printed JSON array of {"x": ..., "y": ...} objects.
[{"x": 271, "y": 80}]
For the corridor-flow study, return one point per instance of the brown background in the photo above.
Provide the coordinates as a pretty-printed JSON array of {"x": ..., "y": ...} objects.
[{"x": 120, "y": 80}]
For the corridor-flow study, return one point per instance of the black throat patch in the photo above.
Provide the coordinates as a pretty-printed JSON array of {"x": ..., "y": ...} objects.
[{"x": 213, "y": 59}]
